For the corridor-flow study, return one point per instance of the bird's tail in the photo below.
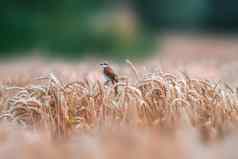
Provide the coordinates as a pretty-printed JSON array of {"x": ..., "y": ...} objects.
[
  {"x": 116, "y": 90},
  {"x": 114, "y": 82}
]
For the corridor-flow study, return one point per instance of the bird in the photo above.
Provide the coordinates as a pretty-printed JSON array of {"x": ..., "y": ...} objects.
[{"x": 109, "y": 74}]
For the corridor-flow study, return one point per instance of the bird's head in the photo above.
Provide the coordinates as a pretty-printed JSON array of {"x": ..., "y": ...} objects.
[{"x": 104, "y": 64}]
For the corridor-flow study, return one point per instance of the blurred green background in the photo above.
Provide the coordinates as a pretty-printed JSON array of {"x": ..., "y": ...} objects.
[{"x": 126, "y": 28}]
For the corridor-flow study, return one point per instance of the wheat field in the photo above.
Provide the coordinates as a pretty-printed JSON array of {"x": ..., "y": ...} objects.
[{"x": 60, "y": 110}]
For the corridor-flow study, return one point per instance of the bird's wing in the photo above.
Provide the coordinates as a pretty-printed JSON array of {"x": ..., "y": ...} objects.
[{"x": 110, "y": 73}]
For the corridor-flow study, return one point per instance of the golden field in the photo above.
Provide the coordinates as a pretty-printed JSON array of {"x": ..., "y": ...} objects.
[{"x": 163, "y": 109}]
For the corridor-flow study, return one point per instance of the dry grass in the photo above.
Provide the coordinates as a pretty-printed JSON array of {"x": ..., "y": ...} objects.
[{"x": 154, "y": 115}]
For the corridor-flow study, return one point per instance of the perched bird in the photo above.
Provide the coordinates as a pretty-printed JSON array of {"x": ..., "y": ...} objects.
[{"x": 109, "y": 74}]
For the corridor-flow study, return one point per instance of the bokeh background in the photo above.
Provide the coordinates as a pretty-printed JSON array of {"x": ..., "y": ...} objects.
[{"x": 106, "y": 28}]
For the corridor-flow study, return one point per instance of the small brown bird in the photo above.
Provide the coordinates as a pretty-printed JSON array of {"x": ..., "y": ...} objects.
[{"x": 109, "y": 74}]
